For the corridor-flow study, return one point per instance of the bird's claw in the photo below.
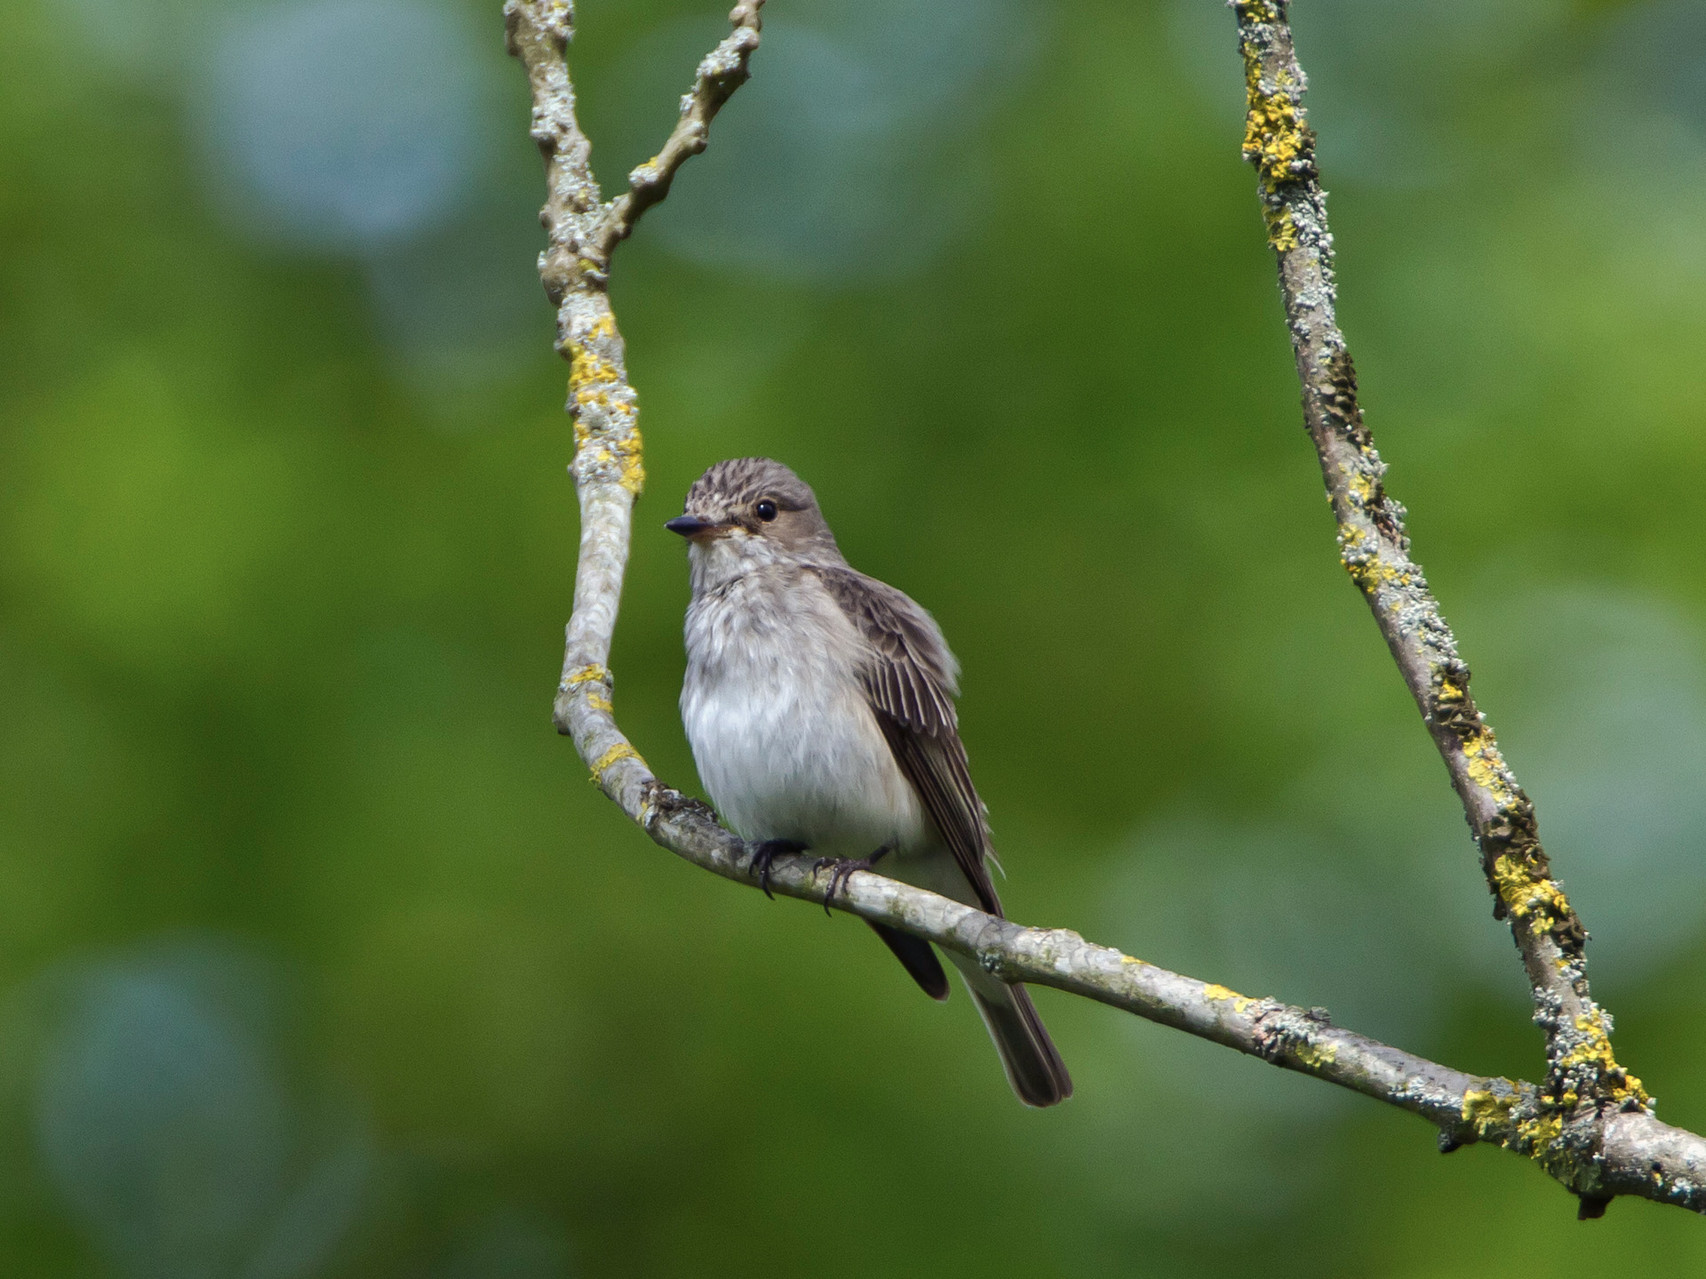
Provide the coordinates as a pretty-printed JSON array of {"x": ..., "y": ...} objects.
[
  {"x": 841, "y": 870},
  {"x": 767, "y": 851}
]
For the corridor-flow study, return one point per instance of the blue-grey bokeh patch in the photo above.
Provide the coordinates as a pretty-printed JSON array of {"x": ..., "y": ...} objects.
[
  {"x": 344, "y": 125},
  {"x": 166, "y": 1119},
  {"x": 460, "y": 308},
  {"x": 1655, "y": 54}
]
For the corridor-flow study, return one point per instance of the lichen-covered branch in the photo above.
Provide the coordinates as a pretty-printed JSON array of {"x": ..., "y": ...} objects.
[
  {"x": 1631, "y": 1153},
  {"x": 1597, "y": 1156},
  {"x": 1583, "y": 1074},
  {"x": 582, "y": 229}
]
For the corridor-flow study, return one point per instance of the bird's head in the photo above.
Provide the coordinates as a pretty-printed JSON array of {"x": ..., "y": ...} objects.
[{"x": 747, "y": 512}]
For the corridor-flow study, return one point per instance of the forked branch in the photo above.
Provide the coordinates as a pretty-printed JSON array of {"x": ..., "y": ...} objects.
[{"x": 1599, "y": 1142}]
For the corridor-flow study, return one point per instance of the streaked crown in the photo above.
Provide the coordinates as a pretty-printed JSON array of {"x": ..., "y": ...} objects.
[{"x": 741, "y": 481}]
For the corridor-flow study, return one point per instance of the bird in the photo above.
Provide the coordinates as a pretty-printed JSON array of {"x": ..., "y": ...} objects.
[{"x": 820, "y": 707}]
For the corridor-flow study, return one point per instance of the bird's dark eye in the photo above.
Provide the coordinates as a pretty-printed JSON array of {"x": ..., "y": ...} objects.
[{"x": 766, "y": 510}]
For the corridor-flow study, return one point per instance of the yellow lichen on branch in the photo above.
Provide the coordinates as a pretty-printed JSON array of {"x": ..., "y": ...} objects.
[
  {"x": 1509, "y": 1117},
  {"x": 1488, "y": 1112},
  {"x": 1282, "y": 230},
  {"x": 1315, "y": 1056},
  {"x": 588, "y": 371},
  {"x": 1218, "y": 993},
  {"x": 1260, "y": 10},
  {"x": 1359, "y": 552},
  {"x": 1528, "y": 896},
  {"x": 602, "y": 404},
  {"x": 1276, "y": 139},
  {"x": 1537, "y": 1137},
  {"x": 1486, "y": 766},
  {"x": 1616, "y": 1084},
  {"x": 633, "y": 464},
  {"x": 619, "y": 751}
]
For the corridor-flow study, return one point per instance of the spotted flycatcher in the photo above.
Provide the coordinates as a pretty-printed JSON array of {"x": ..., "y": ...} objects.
[{"x": 819, "y": 704}]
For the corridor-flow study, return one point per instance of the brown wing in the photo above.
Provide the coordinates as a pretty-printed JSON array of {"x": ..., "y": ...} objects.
[{"x": 910, "y": 681}]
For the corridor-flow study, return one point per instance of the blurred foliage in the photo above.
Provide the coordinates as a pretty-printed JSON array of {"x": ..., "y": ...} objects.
[{"x": 322, "y": 958}]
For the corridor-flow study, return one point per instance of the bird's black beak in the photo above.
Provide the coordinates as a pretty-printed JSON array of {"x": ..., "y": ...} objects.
[{"x": 689, "y": 527}]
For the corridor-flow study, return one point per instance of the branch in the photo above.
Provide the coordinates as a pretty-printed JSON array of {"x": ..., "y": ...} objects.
[
  {"x": 582, "y": 231},
  {"x": 722, "y": 72},
  {"x": 1632, "y": 1153},
  {"x": 1375, "y": 549},
  {"x": 1597, "y": 1157}
]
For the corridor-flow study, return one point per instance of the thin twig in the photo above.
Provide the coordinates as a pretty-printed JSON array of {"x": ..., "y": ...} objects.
[
  {"x": 723, "y": 71},
  {"x": 1633, "y": 1152},
  {"x": 1375, "y": 549}
]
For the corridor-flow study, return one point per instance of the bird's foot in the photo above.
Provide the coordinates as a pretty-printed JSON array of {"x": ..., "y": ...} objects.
[
  {"x": 766, "y": 851},
  {"x": 841, "y": 870}
]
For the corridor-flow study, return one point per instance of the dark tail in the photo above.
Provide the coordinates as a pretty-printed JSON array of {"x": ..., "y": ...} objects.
[
  {"x": 919, "y": 957},
  {"x": 1028, "y": 1055}
]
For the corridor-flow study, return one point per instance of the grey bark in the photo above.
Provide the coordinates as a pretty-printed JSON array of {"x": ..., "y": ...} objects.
[{"x": 1588, "y": 1124}]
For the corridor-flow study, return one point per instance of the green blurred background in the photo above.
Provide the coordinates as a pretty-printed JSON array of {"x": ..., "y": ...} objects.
[{"x": 320, "y": 957}]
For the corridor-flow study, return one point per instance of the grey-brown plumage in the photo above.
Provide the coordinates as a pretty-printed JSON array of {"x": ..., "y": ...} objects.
[{"x": 819, "y": 705}]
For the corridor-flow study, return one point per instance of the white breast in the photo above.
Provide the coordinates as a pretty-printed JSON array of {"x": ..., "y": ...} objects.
[{"x": 782, "y": 734}]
